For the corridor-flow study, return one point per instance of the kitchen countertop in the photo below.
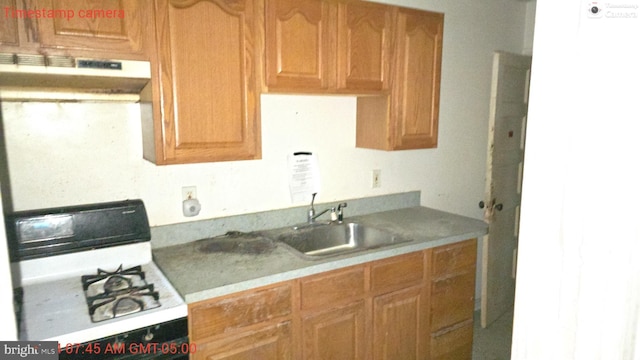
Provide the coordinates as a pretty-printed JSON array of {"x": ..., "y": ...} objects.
[{"x": 199, "y": 276}]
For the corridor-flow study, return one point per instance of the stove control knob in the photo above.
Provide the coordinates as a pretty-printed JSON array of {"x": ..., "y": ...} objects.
[{"x": 148, "y": 336}]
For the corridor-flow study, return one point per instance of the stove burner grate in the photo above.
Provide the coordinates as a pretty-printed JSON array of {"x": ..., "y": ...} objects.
[
  {"x": 87, "y": 280},
  {"x": 118, "y": 293}
]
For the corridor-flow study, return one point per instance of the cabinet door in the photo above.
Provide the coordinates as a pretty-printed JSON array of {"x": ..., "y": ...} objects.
[
  {"x": 335, "y": 334},
  {"x": 209, "y": 107},
  {"x": 299, "y": 54},
  {"x": 416, "y": 92},
  {"x": 400, "y": 329},
  {"x": 268, "y": 343},
  {"x": 107, "y": 25},
  {"x": 364, "y": 39}
]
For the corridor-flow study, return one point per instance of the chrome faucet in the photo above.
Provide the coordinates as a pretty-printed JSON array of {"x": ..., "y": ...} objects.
[{"x": 312, "y": 215}]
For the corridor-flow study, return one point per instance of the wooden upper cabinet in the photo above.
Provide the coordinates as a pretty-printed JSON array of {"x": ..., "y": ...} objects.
[
  {"x": 106, "y": 29},
  {"x": 364, "y": 43},
  {"x": 206, "y": 79},
  {"x": 416, "y": 96},
  {"x": 299, "y": 45},
  {"x": 408, "y": 117},
  {"x": 327, "y": 46}
]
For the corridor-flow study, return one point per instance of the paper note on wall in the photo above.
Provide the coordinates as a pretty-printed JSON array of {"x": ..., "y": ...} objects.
[{"x": 304, "y": 176}]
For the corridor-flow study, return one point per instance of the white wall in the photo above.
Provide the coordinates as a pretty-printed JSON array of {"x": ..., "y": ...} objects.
[
  {"x": 578, "y": 284},
  {"x": 67, "y": 153}
]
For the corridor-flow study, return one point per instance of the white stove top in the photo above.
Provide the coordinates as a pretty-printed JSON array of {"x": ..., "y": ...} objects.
[{"x": 54, "y": 306}]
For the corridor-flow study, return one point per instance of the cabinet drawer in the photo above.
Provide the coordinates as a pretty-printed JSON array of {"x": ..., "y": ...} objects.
[
  {"x": 217, "y": 316},
  {"x": 456, "y": 344},
  {"x": 452, "y": 258},
  {"x": 452, "y": 300},
  {"x": 269, "y": 343},
  {"x": 332, "y": 287},
  {"x": 400, "y": 271}
]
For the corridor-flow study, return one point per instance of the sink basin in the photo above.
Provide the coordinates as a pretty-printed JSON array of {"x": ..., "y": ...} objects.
[{"x": 331, "y": 239}]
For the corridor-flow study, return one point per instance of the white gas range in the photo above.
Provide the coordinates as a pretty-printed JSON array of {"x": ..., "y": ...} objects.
[{"x": 86, "y": 275}]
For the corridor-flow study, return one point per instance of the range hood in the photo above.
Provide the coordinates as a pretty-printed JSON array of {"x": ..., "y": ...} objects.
[{"x": 64, "y": 78}]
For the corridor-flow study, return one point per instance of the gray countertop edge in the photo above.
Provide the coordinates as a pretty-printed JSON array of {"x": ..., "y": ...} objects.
[{"x": 342, "y": 262}]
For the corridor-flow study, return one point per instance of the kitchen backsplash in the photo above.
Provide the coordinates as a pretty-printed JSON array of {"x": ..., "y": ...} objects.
[{"x": 175, "y": 234}]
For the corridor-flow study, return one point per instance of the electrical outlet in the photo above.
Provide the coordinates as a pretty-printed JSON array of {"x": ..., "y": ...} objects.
[
  {"x": 189, "y": 192},
  {"x": 376, "y": 180}
]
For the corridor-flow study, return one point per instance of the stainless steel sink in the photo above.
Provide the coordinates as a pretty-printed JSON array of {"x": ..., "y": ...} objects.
[{"x": 336, "y": 239}]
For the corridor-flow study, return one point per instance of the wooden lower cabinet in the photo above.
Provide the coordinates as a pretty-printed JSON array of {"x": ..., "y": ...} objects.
[
  {"x": 337, "y": 333},
  {"x": 255, "y": 324},
  {"x": 400, "y": 325},
  {"x": 453, "y": 270},
  {"x": 454, "y": 344},
  {"x": 413, "y": 306},
  {"x": 269, "y": 342}
]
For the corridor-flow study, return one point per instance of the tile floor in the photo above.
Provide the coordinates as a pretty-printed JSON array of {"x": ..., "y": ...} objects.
[{"x": 494, "y": 342}]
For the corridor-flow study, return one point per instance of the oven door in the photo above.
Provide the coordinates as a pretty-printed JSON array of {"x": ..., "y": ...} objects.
[{"x": 167, "y": 340}]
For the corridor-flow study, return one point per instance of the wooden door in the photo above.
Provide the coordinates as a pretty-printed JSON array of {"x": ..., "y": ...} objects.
[
  {"x": 106, "y": 25},
  {"x": 208, "y": 76},
  {"x": 416, "y": 93},
  {"x": 507, "y": 125},
  {"x": 364, "y": 46},
  {"x": 7, "y": 299},
  {"x": 299, "y": 45},
  {"x": 9, "y": 35},
  {"x": 339, "y": 333},
  {"x": 400, "y": 325}
]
